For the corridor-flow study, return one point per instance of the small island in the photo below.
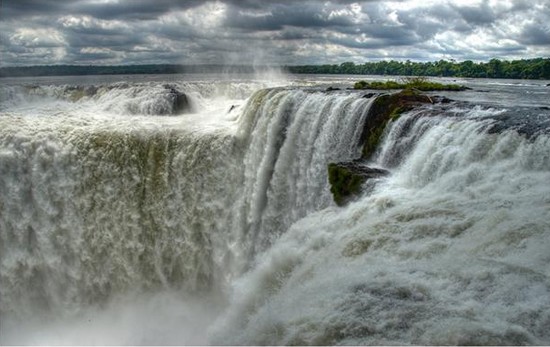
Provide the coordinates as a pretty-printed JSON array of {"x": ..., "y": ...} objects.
[{"x": 418, "y": 83}]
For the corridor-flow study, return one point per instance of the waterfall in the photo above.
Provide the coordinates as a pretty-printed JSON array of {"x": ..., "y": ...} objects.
[
  {"x": 92, "y": 212},
  {"x": 128, "y": 226},
  {"x": 451, "y": 248},
  {"x": 97, "y": 205},
  {"x": 290, "y": 137}
]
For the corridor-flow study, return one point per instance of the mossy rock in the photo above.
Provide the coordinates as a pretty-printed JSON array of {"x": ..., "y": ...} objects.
[
  {"x": 343, "y": 183},
  {"x": 385, "y": 108},
  {"x": 346, "y": 179}
]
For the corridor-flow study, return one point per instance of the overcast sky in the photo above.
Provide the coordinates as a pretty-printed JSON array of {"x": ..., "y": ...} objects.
[{"x": 108, "y": 32}]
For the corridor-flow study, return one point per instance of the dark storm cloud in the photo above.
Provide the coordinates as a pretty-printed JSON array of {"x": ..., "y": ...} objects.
[
  {"x": 129, "y": 9},
  {"x": 279, "y": 16},
  {"x": 135, "y": 9},
  {"x": 25, "y": 8},
  {"x": 477, "y": 15},
  {"x": 261, "y": 4},
  {"x": 102, "y": 40},
  {"x": 289, "y": 32},
  {"x": 536, "y": 34}
]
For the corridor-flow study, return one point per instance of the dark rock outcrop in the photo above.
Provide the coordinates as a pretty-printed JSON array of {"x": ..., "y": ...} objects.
[
  {"x": 347, "y": 178},
  {"x": 370, "y": 95},
  {"x": 180, "y": 101},
  {"x": 441, "y": 99}
]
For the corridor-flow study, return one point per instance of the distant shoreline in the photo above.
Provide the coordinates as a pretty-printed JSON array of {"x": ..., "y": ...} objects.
[
  {"x": 85, "y": 70},
  {"x": 538, "y": 68}
]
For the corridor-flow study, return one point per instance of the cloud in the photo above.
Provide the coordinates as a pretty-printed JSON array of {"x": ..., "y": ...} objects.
[
  {"x": 279, "y": 16},
  {"x": 481, "y": 14},
  {"x": 101, "y": 9},
  {"x": 44, "y": 37},
  {"x": 535, "y": 33},
  {"x": 286, "y": 32}
]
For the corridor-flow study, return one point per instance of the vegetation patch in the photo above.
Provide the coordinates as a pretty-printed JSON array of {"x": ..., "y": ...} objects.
[
  {"x": 347, "y": 178},
  {"x": 343, "y": 183},
  {"x": 538, "y": 68},
  {"x": 413, "y": 83}
]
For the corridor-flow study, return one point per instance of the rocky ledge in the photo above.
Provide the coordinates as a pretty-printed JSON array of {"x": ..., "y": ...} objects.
[{"x": 348, "y": 178}]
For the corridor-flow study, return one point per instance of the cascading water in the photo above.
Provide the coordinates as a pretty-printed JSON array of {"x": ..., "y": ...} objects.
[
  {"x": 90, "y": 212},
  {"x": 98, "y": 205},
  {"x": 452, "y": 248},
  {"x": 290, "y": 136},
  {"x": 119, "y": 225}
]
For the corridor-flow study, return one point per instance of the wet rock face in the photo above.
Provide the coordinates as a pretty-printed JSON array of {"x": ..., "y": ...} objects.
[
  {"x": 347, "y": 179},
  {"x": 181, "y": 104},
  {"x": 180, "y": 101},
  {"x": 370, "y": 95}
]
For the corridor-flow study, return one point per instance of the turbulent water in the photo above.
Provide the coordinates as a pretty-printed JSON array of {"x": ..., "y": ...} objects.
[{"x": 125, "y": 219}]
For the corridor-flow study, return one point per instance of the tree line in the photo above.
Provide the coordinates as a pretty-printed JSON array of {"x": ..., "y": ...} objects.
[
  {"x": 538, "y": 68},
  {"x": 153, "y": 69}
]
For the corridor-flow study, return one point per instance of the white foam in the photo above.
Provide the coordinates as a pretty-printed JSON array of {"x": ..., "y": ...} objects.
[{"x": 451, "y": 250}]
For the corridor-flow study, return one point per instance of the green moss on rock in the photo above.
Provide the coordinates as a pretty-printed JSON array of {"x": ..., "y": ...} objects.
[
  {"x": 346, "y": 179},
  {"x": 385, "y": 108},
  {"x": 343, "y": 183}
]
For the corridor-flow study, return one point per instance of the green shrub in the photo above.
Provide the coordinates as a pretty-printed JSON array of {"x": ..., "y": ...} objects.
[{"x": 360, "y": 85}]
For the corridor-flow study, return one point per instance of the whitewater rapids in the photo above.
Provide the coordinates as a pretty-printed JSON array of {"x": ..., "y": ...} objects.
[{"x": 122, "y": 225}]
